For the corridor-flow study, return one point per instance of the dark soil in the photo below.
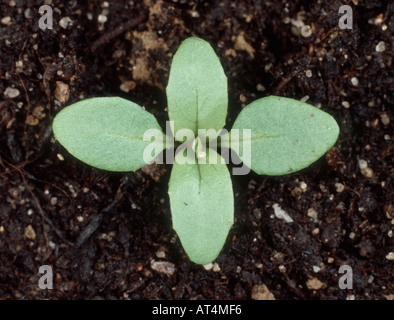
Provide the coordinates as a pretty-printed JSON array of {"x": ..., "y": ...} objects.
[{"x": 100, "y": 231}]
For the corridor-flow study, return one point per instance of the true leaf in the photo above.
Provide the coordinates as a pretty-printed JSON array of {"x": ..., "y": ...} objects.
[
  {"x": 286, "y": 135},
  {"x": 197, "y": 88},
  {"x": 202, "y": 207},
  {"x": 106, "y": 133}
]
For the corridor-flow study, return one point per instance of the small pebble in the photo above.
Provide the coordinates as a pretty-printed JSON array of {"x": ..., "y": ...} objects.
[
  {"x": 11, "y": 92},
  {"x": 282, "y": 268},
  {"x": 330, "y": 260},
  {"x": 30, "y": 233},
  {"x": 215, "y": 267},
  {"x": 102, "y": 18},
  {"x": 352, "y": 235},
  {"x": 308, "y": 73},
  {"x": 312, "y": 213},
  {"x": 305, "y": 98},
  {"x": 257, "y": 213},
  {"x": 367, "y": 172},
  {"x": 380, "y": 47},
  {"x": 261, "y": 292},
  {"x": 62, "y": 92},
  {"x": 390, "y": 256},
  {"x": 127, "y": 86},
  {"x": 306, "y": 31},
  {"x": 65, "y": 22},
  {"x": 354, "y": 81},
  {"x": 161, "y": 253},
  {"x": 281, "y": 214},
  {"x": 31, "y": 120},
  {"x": 303, "y": 186},
  {"x": 53, "y": 201},
  {"x": 39, "y": 113},
  {"x": 242, "y": 98},
  {"x": 316, "y": 269},
  {"x": 260, "y": 88},
  {"x": 1, "y": 229},
  {"x": 195, "y": 14},
  {"x": 165, "y": 267},
  {"x": 339, "y": 187},
  {"x": 362, "y": 164},
  {"x": 314, "y": 284},
  {"x": 385, "y": 119},
  {"x": 315, "y": 231},
  {"x": 346, "y": 104},
  {"x": 6, "y": 20},
  {"x": 208, "y": 266}
]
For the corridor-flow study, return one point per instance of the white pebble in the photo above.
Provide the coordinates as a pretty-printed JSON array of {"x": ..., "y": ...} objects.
[
  {"x": 6, "y": 20},
  {"x": 354, "y": 81},
  {"x": 208, "y": 266},
  {"x": 367, "y": 172},
  {"x": 102, "y": 18},
  {"x": 306, "y": 31},
  {"x": 346, "y": 104},
  {"x": 316, "y": 269},
  {"x": 362, "y": 164},
  {"x": 352, "y": 235},
  {"x": 385, "y": 119},
  {"x": 312, "y": 213},
  {"x": 215, "y": 267},
  {"x": 281, "y": 214},
  {"x": 390, "y": 256},
  {"x": 380, "y": 47},
  {"x": 339, "y": 187},
  {"x": 65, "y": 22},
  {"x": 195, "y": 14},
  {"x": 11, "y": 93},
  {"x": 260, "y": 88}
]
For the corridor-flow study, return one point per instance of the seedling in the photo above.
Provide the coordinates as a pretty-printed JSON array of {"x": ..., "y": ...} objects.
[{"x": 276, "y": 135}]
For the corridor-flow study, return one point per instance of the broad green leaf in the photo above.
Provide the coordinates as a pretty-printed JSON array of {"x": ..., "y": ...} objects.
[
  {"x": 286, "y": 135},
  {"x": 202, "y": 207},
  {"x": 197, "y": 88},
  {"x": 106, "y": 133}
]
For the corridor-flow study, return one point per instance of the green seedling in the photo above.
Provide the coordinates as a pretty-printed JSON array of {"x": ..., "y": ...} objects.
[{"x": 272, "y": 136}]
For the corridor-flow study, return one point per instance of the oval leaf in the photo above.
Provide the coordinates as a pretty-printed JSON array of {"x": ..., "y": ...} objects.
[
  {"x": 197, "y": 88},
  {"x": 202, "y": 207},
  {"x": 286, "y": 135},
  {"x": 106, "y": 133}
]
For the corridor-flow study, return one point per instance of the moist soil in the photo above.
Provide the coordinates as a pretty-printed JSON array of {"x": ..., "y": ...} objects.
[{"x": 109, "y": 235}]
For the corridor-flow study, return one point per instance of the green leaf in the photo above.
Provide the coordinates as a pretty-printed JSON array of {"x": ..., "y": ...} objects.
[
  {"x": 202, "y": 206},
  {"x": 197, "y": 88},
  {"x": 106, "y": 133},
  {"x": 286, "y": 135}
]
